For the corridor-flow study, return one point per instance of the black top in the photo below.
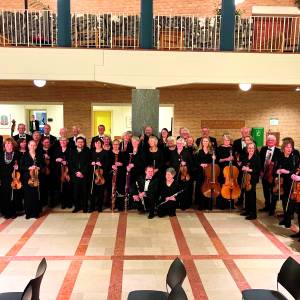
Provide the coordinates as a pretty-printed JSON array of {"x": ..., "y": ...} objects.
[
  {"x": 126, "y": 147},
  {"x": 27, "y": 162},
  {"x": 26, "y": 136},
  {"x": 262, "y": 155},
  {"x": 102, "y": 157},
  {"x": 213, "y": 141},
  {"x": 155, "y": 159},
  {"x": 167, "y": 191},
  {"x": 175, "y": 160},
  {"x": 254, "y": 164},
  {"x": 79, "y": 162}
]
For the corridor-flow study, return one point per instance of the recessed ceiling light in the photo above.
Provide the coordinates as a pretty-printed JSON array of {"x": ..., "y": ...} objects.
[
  {"x": 39, "y": 82},
  {"x": 245, "y": 86},
  {"x": 298, "y": 89}
]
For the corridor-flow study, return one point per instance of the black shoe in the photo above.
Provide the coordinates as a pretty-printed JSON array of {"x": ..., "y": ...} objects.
[
  {"x": 250, "y": 217},
  {"x": 244, "y": 213},
  {"x": 91, "y": 210},
  {"x": 295, "y": 235},
  {"x": 75, "y": 210},
  {"x": 151, "y": 216},
  {"x": 265, "y": 209}
]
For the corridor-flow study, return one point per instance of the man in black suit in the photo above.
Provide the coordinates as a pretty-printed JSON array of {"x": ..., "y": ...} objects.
[
  {"x": 34, "y": 125},
  {"x": 101, "y": 131},
  {"x": 72, "y": 140},
  {"x": 240, "y": 144},
  {"x": 145, "y": 192},
  {"x": 205, "y": 133},
  {"x": 22, "y": 134},
  {"x": 47, "y": 130},
  {"x": 269, "y": 156}
]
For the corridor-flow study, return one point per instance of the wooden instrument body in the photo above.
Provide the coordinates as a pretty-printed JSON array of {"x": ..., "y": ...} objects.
[
  {"x": 184, "y": 173},
  {"x": 34, "y": 178},
  {"x": 99, "y": 178},
  {"x": 16, "y": 182},
  {"x": 65, "y": 177},
  {"x": 296, "y": 191},
  {"x": 278, "y": 186},
  {"x": 231, "y": 189},
  {"x": 210, "y": 187},
  {"x": 268, "y": 172},
  {"x": 246, "y": 181}
]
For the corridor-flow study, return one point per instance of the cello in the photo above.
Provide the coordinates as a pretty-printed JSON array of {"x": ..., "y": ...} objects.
[
  {"x": 230, "y": 189},
  {"x": 211, "y": 188}
]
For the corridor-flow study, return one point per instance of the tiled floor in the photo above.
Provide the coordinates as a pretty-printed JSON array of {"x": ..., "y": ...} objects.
[{"x": 105, "y": 255}]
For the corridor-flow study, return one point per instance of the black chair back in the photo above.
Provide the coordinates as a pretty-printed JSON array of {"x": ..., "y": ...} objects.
[
  {"x": 289, "y": 277},
  {"x": 36, "y": 282},
  {"x": 27, "y": 294},
  {"x": 176, "y": 274},
  {"x": 177, "y": 293}
]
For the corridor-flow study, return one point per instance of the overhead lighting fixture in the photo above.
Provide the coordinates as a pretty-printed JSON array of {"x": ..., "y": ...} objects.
[
  {"x": 245, "y": 86},
  {"x": 298, "y": 89},
  {"x": 238, "y": 2},
  {"x": 39, "y": 82}
]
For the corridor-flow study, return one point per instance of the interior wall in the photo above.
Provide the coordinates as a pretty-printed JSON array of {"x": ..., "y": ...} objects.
[
  {"x": 121, "y": 117},
  {"x": 19, "y": 113}
]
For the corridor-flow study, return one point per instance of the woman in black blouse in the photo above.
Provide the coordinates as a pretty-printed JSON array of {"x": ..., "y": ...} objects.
[{"x": 154, "y": 157}]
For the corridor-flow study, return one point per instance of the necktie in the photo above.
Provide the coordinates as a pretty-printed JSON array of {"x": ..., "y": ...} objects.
[{"x": 22, "y": 136}]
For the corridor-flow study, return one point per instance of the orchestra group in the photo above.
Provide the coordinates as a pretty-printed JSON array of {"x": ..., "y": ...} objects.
[{"x": 152, "y": 174}]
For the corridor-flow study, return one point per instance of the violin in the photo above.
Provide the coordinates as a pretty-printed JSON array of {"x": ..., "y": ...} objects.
[
  {"x": 47, "y": 163},
  {"x": 231, "y": 189},
  {"x": 296, "y": 189},
  {"x": 64, "y": 177},
  {"x": 278, "y": 186},
  {"x": 184, "y": 173},
  {"x": 268, "y": 170},
  {"x": 34, "y": 178},
  {"x": 246, "y": 181},
  {"x": 16, "y": 182},
  {"x": 211, "y": 188},
  {"x": 99, "y": 178}
]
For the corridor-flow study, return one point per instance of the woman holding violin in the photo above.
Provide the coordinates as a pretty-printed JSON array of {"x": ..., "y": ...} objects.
[
  {"x": 251, "y": 170},
  {"x": 31, "y": 164},
  {"x": 203, "y": 159},
  {"x": 8, "y": 178},
  {"x": 288, "y": 162},
  {"x": 99, "y": 163},
  {"x": 181, "y": 161},
  {"x": 62, "y": 177}
]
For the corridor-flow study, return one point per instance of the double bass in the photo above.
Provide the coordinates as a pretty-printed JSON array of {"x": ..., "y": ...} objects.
[
  {"x": 231, "y": 189},
  {"x": 211, "y": 188}
]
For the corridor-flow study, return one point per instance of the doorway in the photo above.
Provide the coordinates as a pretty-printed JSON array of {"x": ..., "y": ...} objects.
[{"x": 104, "y": 118}]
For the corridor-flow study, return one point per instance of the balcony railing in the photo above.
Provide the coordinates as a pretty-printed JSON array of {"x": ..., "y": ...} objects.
[
  {"x": 267, "y": 34},
  {"x": 187, "y": 33},
  {"x": 172, "y": 32},
  {"x": 28, "y": 28},
  {"x": 105, "y": 30}
]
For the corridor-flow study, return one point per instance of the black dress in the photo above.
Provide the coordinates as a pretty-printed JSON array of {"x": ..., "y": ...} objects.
[
  {"x": 8, "y": 195},
  {"x": 32, "y": 203},
  {"x": 156, "y": 159},
  {"x": 168, "y": 208}
]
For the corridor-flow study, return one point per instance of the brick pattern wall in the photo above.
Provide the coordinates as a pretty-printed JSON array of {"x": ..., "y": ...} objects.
[
  {"x": 190, "y": 107},
  {"x": 197, "y": 7}
]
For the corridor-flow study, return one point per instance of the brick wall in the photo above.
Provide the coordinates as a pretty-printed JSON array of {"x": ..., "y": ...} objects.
[
  {"x": 199, "y": 7},
  {"x": 190, "y": 106}
]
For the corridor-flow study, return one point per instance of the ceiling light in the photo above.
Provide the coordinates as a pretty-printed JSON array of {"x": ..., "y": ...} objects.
[
  {"x": 238, "y": 2},
  {"x": 298, "y": 89},
  {"x": 39, "y": 82},
  {"x": 245, "y": 86}
]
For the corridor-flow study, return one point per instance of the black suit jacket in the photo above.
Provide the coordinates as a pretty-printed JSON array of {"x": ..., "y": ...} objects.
[
  {"x": 237, "y": 146},
  {"x": 212, "y": 140},
  {"x": 139, "y": 187},
  {"x": 262, "y": 154},
  {"x": 37, "y": 126}
]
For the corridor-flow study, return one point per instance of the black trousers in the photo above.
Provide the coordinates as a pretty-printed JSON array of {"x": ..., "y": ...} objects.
[
  {"x": 268, "y": 192},
  {"x": 167, "y": 209},
  {"x": 250, "y": 201},
  {"x": 80, "y": 194},
  {"x": 96, "y": 200},
  {"x": 149, "y": 205}
]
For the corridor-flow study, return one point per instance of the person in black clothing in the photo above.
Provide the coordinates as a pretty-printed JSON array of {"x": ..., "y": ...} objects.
[
  {"x": 203, "y": 159},
  {"x": 205, "y": 133},
  {"x": 46, "y": 134},
  {"x": 8, "y": 163},
  {"x": 118, "y": 161},
  {"x": 34, "y": 125},
  {"x": 101, "y": 134},
  {"x": 155, "y": 158},
  {"x": 72, "y": 139},
  {"x": 126, "y": 145},
  {"x": 191, "y": 146},
  {"x": 162, "y": 142},
  {"x": 239, "y": 144},
  {"x": 63, "y": 185},
  {"x": 295, "y": 178},
  {"x": 79, "y": 172},
  {"x": 145, "y": 192},
  {"x": 100, "y": 167},
  {"x": 269, "y": 156},
  {"x": 144, "y": 138},
  {"x": 167, "y": 197},
  {"x": 224, "y": 156},
  {"x": 181, "y": 161},
  {"x": 22, "y": 134},
  {"x": 287, "y": 164},
  {"x": 251, "y": 164},
  {"x": 32, "y": 162}
]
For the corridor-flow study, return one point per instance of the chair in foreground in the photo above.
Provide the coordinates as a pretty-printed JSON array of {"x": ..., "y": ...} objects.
[
  {"x": 177, "y": 293},
  {"x": 32, "y": 290},
  {"x": 288, "y": 277},
  {"x": 175, "y": 276}
]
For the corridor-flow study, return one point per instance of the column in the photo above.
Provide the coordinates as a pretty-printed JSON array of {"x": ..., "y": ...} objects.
[
  {"x": 64, "y": 23},
  {"x": 145, "y": 110},
  {"x": 227, "y": 25},
  {"x": 146, "y": 24}
]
